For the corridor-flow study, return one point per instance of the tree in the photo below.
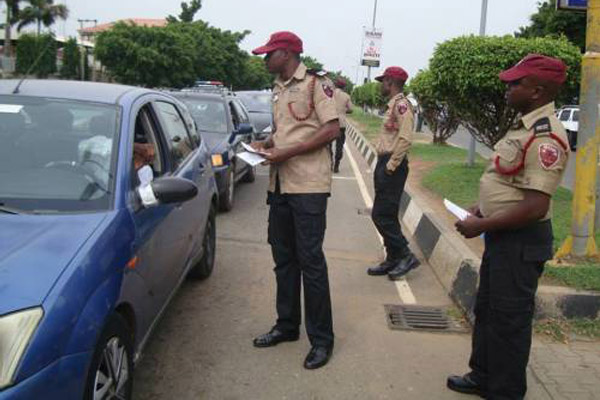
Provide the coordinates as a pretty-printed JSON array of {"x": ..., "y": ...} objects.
[
  {"x": 12, "y": 15},
  {"x": 334, "y": 76},
  {"x": 441, "y": 118},
  {"x": 368, "y": 95},
  {"x": 465, "y": 76},
  {"x": 71, "y": 66},
  {"x": 548, "y": 21},
  {"x": 257, "y": 77},
  {"x": 36, "y": 55},
  {"x": 188, "y": 11},
  {"x": 42, "y": 12},
  {"x": 311, "y": 63}
]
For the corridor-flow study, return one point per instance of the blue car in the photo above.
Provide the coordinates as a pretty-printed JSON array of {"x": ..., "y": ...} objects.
[
  {"x": 107, "y": 203},
  {"x": 224, "y": 122}
]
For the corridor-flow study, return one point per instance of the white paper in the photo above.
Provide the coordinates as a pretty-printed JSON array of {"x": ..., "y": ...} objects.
[
  {"x": 145, "y": 175},
  {"x": 253, "y": 159},
  {"x": 458, "y": 212},
  {"x": 250, "y": 149}
]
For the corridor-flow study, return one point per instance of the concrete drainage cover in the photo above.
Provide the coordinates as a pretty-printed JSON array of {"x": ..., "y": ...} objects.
[{"x": 421, "y": 318}]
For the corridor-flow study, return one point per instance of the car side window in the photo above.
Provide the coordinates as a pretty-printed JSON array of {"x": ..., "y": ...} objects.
[
  {"x": 234, "y": 116},
  {"x": 241, "y": 112},
  {"x": 176, "y": 134}
]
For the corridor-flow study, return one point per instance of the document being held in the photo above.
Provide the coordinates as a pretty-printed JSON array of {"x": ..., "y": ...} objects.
[
  {"x": 458, "y": 212},
  {"x": 251, "y": 156}
]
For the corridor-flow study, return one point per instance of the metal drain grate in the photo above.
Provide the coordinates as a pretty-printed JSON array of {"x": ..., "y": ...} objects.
[{"x": 421, "y": 318}]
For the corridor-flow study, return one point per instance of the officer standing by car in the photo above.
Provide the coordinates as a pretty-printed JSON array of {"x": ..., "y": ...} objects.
[
  {"x": 305, "y": 123},
  {"x": 344, "y": 106},
  {"x": 514, "y": 213},
  {"x": 390, "y": 175}
]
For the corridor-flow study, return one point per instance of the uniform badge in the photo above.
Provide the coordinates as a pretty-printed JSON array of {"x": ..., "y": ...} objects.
[
  {"x": 549, "y": 155},
  {"x": 328, "y": 90},
  {"x": 402, "y": 108}
]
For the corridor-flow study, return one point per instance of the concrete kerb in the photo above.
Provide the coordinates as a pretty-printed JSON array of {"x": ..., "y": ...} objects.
[{"x": 457, "y": 266}]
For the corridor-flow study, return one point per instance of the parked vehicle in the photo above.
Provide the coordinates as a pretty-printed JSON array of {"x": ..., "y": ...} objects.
[
  {"x": 569, "y": 116},
  {"x": 260, "y": 109},
  {"x": 107, "y": 202},
  {"x": 225, "y": 124}
]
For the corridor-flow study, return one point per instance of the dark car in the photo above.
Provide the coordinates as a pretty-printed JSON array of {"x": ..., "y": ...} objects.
[
  {"x": 260, "y": 109},
  {"x": 107, "y": 203},
  {"x": 224, "y": 122}
]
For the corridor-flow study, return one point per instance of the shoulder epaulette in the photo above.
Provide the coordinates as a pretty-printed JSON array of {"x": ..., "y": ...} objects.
[
  {"x": 317, "y": 72},
  {"x": 542, "y": 125}
]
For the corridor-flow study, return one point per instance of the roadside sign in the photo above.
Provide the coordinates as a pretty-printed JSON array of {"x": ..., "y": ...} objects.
[
  {"x": 574, "y": 5},
  {"x": 372, "y": 48}
]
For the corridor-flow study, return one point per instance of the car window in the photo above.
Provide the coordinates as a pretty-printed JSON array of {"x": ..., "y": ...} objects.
[
  {"x": 210, "y": 115},
  {"x": 256, "y": 102},
  {"x": 576, "y": 115},
  {"x": 57, "y": 155},
  {"x": 146, "y": 145},
  {"x": 234, "y": 115},
  {"x": 241, "y": 112},
  {"x": 564, "y": 115},
  {"x": 176, "y": 134}
]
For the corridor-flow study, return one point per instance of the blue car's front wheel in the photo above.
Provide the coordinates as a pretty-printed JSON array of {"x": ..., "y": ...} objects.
[{"x": 110, "y": 376}]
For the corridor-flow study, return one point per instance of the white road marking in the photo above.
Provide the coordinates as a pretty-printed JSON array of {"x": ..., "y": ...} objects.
[{"x": 404, "y": 291}]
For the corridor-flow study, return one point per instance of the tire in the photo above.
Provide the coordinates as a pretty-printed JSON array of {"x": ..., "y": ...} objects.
[
  {"x": 250, "y": 176},
  {"x": 114, "y": 348},
  {"x": 204, "y": 268},
  {"x": 226, "y": 201},
  {"x": 572, "y": 136}
]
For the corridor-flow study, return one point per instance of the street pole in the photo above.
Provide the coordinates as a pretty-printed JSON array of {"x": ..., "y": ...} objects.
[
  {"x": 581, "y": 242},
  {"x": 373, "y": 25},
  {"x": 482, "y": 25}
]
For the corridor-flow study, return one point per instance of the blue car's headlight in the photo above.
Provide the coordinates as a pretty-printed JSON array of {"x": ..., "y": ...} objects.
[{"x": 16, "y": 331}]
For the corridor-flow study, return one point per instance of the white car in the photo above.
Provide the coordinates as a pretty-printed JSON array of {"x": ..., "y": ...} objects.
[{"x": 569, "y": 116}]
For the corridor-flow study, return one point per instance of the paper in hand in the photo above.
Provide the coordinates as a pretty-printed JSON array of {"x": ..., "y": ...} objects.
[
  {"x": 458, "y": 212},
  {"x": 253, "y": 159}
]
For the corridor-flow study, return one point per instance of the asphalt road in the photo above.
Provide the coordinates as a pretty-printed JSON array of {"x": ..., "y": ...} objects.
[{"x": 202, "y": 348}]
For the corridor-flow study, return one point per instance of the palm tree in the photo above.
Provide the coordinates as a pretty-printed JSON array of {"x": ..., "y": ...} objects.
[
  {"x": 12, "y": 14},
  {"x": 42, "y": 12}
]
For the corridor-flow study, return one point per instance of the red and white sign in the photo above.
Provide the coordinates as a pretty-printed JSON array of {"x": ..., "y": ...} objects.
[{"x": 372, "y": 40}]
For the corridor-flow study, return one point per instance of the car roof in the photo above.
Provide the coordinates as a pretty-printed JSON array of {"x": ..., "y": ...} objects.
[
  {"x": 71, "y": 90},
  {"x": 185, "y": 94}
]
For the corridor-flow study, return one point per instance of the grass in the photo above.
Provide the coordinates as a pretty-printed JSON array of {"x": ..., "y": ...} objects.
[
  {"x": 580, "y": 276},
  {"x": 563, "y": 330},
  {"x": 368, "y": 124}
]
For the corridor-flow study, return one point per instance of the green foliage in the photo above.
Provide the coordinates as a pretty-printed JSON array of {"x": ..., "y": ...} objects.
[
  {"x": 188, "y": 11},
  {"x": 334, "y": 76},
  {"x": 41, "y": 12},
  {"x": 36, "y": 55},
  {"x": 368, "y": 95},
  {"x": 71, "y": 65},
  {"x": 583, "y": 277},
  {"x": 548, "y": 21},
  {"x": 465, "y": 74},
  {"x": 441, "y": 117},
  {"x": 311, "y": 63},
  {"x": 367, "y": 123},
  {"x": 562, "y": 330}
]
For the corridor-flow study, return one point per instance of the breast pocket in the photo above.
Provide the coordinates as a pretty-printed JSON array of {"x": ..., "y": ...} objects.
[
  {"x": 299, "y": 106},
  {"x": 508, "y": 154}
]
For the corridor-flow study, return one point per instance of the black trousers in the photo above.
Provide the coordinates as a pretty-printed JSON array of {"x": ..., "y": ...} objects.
[
  {"x": 339, "y": 147},
  {"x": 388, "y": 191},
  {"x": 512, "y": 264},
  {"x": 297, "y": 225}
]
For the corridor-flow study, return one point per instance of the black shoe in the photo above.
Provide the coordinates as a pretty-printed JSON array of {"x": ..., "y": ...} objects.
[
  {"x": 382, "y": 268},
  {"x": 336, "y": 169},
  {"x": 274, "y": 337},
  {"x": 465, "y": 384},
  {"x": 317, "y": 357},
  {"x": 406, "y": 264}
]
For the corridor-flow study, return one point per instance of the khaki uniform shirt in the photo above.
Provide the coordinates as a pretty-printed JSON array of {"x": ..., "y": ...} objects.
[
  {"x": 343, "y": 103},
  {"x": 503, "y": 183},
  {"x": 299, "y": 112},
  {"x": 397, "y": 131}
]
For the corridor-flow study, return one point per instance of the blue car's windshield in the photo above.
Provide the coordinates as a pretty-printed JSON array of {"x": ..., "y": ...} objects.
[
  {"x": 209, "y": 115},
  {"x": 55, "y": 155},
  {"x": 256, "y": 102}
]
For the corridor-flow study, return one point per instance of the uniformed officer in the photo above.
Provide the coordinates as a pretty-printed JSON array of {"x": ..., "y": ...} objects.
[
  {"x": 514, "y": 212},
  {"x": 390, "y": 175},
  {"x": 306, "y": 122},
  {"x": 344, "y": 106}
]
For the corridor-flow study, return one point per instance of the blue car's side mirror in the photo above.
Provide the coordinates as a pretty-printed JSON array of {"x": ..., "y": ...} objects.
[{"x": 244, "y": 129}]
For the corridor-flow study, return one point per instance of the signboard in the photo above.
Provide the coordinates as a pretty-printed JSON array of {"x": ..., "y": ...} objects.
[
  {"x": 578, "y": 5},
  {"x": 371, "y": 54}
]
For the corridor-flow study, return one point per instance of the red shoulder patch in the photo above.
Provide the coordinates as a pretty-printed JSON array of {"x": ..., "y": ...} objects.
[
  {"x": 402, "y": 108},
  {"x": 549, "y": 155},
  {"x": 328, "y": 90}
]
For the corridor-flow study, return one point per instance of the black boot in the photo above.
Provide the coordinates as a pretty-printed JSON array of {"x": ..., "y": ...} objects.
[
  {"x": 466, "y": 384},
  {"x": 406, "y": 264},
  {"x": 382, "y": 268}
]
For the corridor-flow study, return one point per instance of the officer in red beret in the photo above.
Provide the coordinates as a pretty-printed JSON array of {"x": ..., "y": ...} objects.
[
  {"x": 391, "y": 171},
  {"x": 514, "y": 213},
  {"x": 305, "y": 123},
  {"x": 344, "y": 106}
]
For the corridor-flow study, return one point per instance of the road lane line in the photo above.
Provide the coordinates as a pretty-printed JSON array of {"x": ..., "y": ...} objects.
[{"x": 404, "y": 291}]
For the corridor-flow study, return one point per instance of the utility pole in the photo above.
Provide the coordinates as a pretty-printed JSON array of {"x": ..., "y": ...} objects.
[
  {"x": 83, "y": 49},
  {"x": 482, "y": 26},
  {"x": 581, "y": 242},
  {"x": 373, "y": 26}
]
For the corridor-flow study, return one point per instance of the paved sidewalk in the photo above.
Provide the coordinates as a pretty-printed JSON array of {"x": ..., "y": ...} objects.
[{"x": 567, "y": 371}]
